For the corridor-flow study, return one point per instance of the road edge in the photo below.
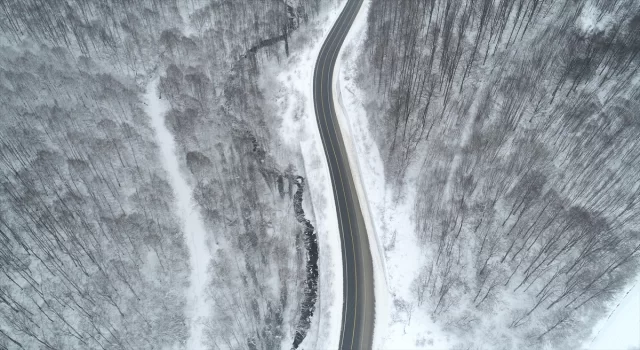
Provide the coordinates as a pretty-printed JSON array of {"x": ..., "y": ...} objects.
[
  {"x": 315, "y": 191},
  {"x": 380, "y": 271}
]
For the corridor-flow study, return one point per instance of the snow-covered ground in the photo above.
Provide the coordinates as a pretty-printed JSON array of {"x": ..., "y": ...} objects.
[
  {"x": 398, "y": 323},
  {"x": 621, "y": 328},
  {"x": 364, "y": 151},
  {"x": 292, "y": 98},
  {"x": 195, "y": 233}
]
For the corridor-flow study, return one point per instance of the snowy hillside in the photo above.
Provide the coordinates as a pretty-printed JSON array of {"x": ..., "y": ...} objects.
[
  {"x": 148, "y": 200},
  {"x": 507, "y": 188}
]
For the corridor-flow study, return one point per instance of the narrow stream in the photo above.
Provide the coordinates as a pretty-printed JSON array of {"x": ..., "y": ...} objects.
[{"x": 308, "y": 306}]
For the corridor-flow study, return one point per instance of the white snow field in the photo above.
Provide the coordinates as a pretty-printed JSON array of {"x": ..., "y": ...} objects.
[
  {"x": 621, "y": 329},
  {"x": 195, "y": 233}
]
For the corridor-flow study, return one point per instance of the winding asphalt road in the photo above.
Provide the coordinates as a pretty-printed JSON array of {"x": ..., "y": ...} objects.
[{"x": 358, "y": 307}]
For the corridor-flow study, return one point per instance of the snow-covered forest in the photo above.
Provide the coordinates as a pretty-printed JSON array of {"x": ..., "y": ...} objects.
[
  {"x": 154, "y": 193},
  {"x": 514, "y": 125},
  {"x": 95, "y": 254}
]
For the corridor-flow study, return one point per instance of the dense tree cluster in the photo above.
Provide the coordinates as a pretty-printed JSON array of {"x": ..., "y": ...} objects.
[
  {"x": 92, "y": 255},
  {"x": 519, "y": 117},
  {"x": 246, "y": 198}
]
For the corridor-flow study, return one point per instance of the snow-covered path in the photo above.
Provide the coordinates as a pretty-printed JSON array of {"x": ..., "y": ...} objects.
[{"x": 195, "y": 234}]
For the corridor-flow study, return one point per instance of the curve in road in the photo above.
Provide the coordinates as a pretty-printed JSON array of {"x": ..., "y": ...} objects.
[{"x": 358, "y": 306}]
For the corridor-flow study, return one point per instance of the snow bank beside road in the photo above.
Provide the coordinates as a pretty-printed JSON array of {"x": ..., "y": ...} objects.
[
  {"x": 364, "y": 159},
  {"x": 195, "y": 234},
  {"x": 399, "y": 324},
  {"x": 389, "y": 224},
  {"x": 292, "y": 96}
]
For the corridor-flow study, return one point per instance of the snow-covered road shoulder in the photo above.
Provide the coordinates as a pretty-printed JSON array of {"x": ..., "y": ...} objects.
[
  {"x": 389, "y": 224},
  {"x": 370, "y": 155},
  {"x": 292, "y": 96}
]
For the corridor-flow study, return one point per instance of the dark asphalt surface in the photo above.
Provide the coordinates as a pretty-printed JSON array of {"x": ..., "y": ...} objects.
[{"x": 358, "y": 307}]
